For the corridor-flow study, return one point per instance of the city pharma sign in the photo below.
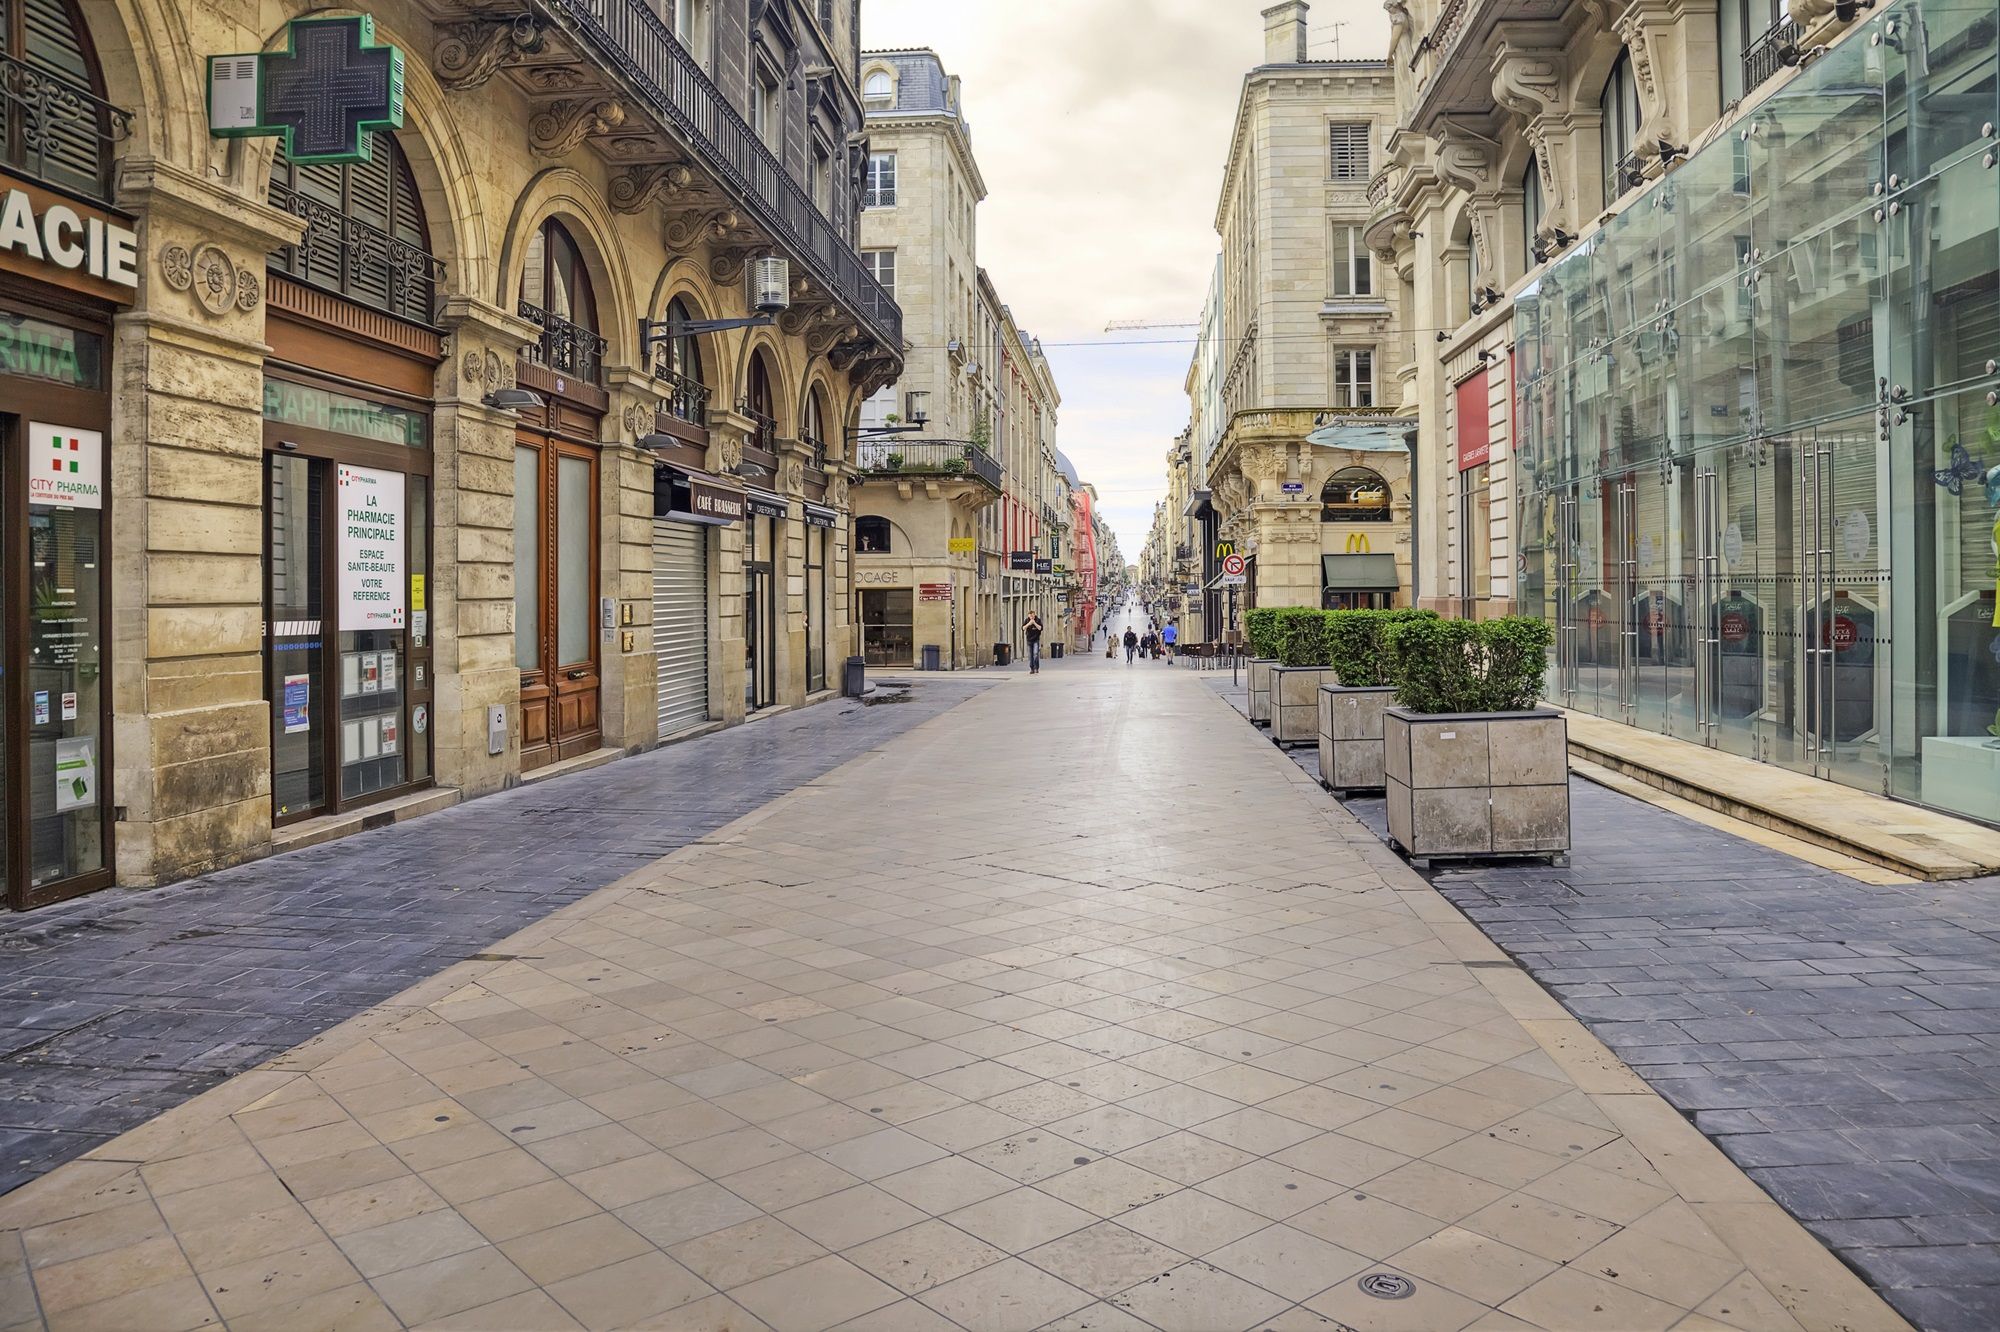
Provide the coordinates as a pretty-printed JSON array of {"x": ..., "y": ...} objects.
[{"x": 326, "y": 93}]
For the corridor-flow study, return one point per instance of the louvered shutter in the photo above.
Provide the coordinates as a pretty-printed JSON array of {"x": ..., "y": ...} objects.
[
  {"x": 68, "y": 151},
  {"x": 680, "y": 625},
  {"x": 1349, "y": 150}
]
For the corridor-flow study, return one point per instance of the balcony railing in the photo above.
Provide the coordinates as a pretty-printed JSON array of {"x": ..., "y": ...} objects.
[
  {"x": 929, "y": 458},
  {"x": 1777, "y": 48},
  {"x": 58, "y": 131},
  {"x": 364, "y": 263},
  {"x": 566, "y": 348},
  {"x": 764, "y": 431},
  {"x": 631, "y": 39},
  {"x": 687, "y": 399}
]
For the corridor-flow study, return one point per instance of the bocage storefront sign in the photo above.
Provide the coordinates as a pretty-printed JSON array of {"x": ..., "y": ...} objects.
[
  {"x": 371, "y": 549},
  {"x": 40, "y": 232}
]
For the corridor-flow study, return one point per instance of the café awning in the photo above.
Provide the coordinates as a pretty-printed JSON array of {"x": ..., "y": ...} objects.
[{"x": 1358, "y": 573}]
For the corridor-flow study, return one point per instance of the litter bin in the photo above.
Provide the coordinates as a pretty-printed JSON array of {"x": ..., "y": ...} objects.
[
  {"x": 1055, "y": 651},
  {"x": 1003, "y": 654},
  {"x": 933, "y": 655},
  {"x": 854, "y": 679}
]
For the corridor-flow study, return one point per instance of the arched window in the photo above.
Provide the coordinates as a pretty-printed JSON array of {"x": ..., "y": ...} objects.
[
  {"x": 759, "y": 403},
  {"x": 365, "y": 233},
  {"x": 556, "y": 298},
  {"x": 1531, "y": 207},
  {"x": 871, "y": 536},
  {"x": 1354, "y": 495},
  {"x": 878, "y": 92},
  {"x": 813, "y": 432},
  {"x": 677, "y": 365},
  {"x": 54, "y": 122},
  {"x": 1619, "y": 104}
]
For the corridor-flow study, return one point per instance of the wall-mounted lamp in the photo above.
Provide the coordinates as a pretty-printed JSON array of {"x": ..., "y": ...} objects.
[
  {"x": 1444, "y": 337},
  {"x": 512, "y": 399}
]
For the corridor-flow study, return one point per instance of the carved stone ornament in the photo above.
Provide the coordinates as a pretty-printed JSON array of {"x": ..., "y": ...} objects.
[
  {"x": 791, "y": 476},
  {"x": 472, "y": 368},
  {"x": 560, "y": 127},
  {"x": 1463, "y": 163},
  {"x": 176, "y": 267},
  {"x": 836, "y": 490},
  {"x": 248, "y": 290},
  {"x": 726, "y": 265},
  {"x": 1400, "y": 24},
  {"x": 638, "y": 188},
  {"x": 731, "y": 447},
  {"x": 214, "y": 279},
  {"x": 470, "y": 53},
  {"x": 1528, "y": 83}
]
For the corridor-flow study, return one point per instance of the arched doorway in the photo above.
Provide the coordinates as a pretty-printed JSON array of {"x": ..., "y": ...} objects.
[
  {"x": 555, "y": 504},
  {"x": 348, "y": 484},
  {"x": 763, "y": 537}
]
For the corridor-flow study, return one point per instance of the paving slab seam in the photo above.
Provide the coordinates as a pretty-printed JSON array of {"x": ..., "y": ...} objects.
[{"x": 1815, "y": 1286}]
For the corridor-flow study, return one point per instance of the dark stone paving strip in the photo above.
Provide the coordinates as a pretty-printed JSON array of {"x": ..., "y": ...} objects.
[
  {"x": 123, "y": 1004},
  {"x": 1838, "y": 1040}
]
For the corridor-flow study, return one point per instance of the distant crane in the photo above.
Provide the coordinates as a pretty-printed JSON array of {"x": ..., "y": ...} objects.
[{"x": 1140, "y": 325}]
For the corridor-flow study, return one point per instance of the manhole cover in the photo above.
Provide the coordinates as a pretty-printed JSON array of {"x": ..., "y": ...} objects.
[{"x": 1387, "y": 1286}]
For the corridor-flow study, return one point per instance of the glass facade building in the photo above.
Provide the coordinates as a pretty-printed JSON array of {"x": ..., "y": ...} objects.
[{"x": 1758, "y": 428}]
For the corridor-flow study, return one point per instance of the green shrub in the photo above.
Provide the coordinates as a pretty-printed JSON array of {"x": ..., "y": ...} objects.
[
  {"x": 1357, "y": 647},
  {"x": 1305, "y": 638},
  {"x": 1443, "y": 666},
  {"x": 1261, "y": 629}
]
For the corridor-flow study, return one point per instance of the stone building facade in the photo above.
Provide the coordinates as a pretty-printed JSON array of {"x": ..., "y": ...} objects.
[
  {"x": 389, "y": 455},
  {"x": 948, "y": 513},
  {"x": 1304, "y": 480}
]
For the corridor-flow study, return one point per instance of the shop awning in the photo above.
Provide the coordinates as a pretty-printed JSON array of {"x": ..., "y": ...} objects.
[
  {"x": 688, "y": 496},
  {"x": 765, "y": 503},
  {"x": 1364, "y": 432},
  {"x": 1197, "y": 501},
  {"x": 1358, "y": 573},
  {"x": 818, "y": 515}
]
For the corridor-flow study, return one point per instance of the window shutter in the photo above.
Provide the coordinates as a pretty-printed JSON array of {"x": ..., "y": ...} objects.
[
  {"x": 1348, "y": 150},
  {"x": 69, "y": 152}
]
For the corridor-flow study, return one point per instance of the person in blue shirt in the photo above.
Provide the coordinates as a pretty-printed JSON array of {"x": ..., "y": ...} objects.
[{"x": 1170, "y": 636}]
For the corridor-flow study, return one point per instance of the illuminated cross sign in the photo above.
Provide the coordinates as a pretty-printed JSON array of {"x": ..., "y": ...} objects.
[{"x": 327, "y": 92}]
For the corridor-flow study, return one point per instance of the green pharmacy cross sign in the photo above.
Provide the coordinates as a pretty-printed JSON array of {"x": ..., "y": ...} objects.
[{"x": 326, "y": 92}]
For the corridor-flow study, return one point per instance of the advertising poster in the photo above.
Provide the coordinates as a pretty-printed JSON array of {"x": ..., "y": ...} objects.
[
  {"x": 69, "y": 707},
  {"x": 65, "y": 466},
  {"x": 41, "y": 707},
  {"x": 372, "y": 582},
  {"x": 298, "y": 704},
  {"x": 76, "y": 773}
]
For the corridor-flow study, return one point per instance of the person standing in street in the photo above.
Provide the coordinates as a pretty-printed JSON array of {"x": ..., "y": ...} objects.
[
  {"x": 1031, "y": 629},
  {"x": 1131, "y": 644},
  {"x": 1170, "y": 636}
]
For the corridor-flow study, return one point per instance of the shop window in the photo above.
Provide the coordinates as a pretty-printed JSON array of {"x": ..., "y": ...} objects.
[
  {"x": 1355, "y": 495},
  {"x": 556, "y": 298},
  {"x": 888, "y": 633},
  {"x": 677, "y": 365},
  {"x": 871, "y": 536},
  {"x": 365, "y": 235},
  {"x": 55, "y": 125}
]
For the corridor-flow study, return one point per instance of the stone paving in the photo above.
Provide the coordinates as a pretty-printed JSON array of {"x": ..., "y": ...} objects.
[
  {"x": 1074, "y": 1008},
  {"x": 1838, "y": 1039},
  {"x": 122, "y": 1004}
]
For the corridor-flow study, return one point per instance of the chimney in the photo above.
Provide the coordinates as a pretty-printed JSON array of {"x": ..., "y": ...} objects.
[{"x": 1285, "y": 33}]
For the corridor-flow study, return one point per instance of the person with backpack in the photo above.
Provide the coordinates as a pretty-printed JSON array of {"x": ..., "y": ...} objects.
[
  {"x": 1131, "y": 644},
  {"x": 1031, "y": 629}
]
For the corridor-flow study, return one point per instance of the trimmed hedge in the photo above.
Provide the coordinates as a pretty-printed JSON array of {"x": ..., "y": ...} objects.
[
  {"x": 1357, "y": 647},
  {"x": 1265, "y": 627},
  {"x": 1305, "y": 639},
  {"x": 1445, "y": 666}
]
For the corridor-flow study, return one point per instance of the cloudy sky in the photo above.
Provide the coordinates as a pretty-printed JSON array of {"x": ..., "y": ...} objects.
[{"x": 1101, "y": 127}]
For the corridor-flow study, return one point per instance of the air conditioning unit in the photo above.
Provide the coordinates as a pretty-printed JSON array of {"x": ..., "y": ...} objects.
[{"x": 770, "y": 285}]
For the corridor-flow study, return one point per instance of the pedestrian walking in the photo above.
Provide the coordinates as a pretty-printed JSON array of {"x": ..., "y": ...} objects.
[
  {"x": 1131, "y": 644},
  {"x": 1170, "y": 636},
  {"x": 1031, "y": 629}
]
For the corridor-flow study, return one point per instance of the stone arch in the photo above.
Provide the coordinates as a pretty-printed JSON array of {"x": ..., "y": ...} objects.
[
  {"x": 564, "y": 194},
  {"x": 143, "y": 47},
  {"x": 785, "y": 397},
  {"x": 686, "y": 279},
  {"x": 832, "y": 426}
]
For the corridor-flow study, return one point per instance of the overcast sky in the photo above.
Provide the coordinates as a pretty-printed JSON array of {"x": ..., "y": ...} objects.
[{"x": 1101, "y": 128}]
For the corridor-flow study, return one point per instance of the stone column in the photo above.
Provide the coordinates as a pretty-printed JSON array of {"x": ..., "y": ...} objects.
[
  {"x": 191, "y": 727},
  {"x": 727, "y": 431},
  {"x": 628, "y": 700},
  {"x": 472, "y": 554}
]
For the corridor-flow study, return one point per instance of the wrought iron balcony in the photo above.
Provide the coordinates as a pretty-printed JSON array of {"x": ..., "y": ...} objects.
[
  {"x": 764, "y": 435},
  {"x": 1776, "y": 49},
  {"x": 629, "y": 38},
  {"x": 687, "y": 399},
  {"x": 364, "y": 263},
  {"x": 565, "y": 347},
  {"x": 58, "y": 131},
  {"x": 929, "y": 458}
]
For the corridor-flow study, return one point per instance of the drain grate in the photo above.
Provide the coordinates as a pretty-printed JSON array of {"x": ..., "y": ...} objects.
[{"x": 1387, "y": 1286}]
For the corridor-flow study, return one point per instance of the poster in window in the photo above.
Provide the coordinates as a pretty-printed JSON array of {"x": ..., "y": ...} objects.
[
  {"x": 65, "y": 466},
  {"x": 373, "y": 588},
  {"x": 76, "y": 773},
  {"x": 371, "y": 673},
  {"x": 298, "y": 704},
  {"x": 389, "y": 736},
  {"x": 386, "y": 668}
]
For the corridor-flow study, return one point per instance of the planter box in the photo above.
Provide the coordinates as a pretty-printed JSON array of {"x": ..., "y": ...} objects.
[
  {"x": 1260, "y": 689},
  {"x": 1350, "y": 736},
  {"x": 1477, "y": 784},
  {"x": 1295, "y": 702}
]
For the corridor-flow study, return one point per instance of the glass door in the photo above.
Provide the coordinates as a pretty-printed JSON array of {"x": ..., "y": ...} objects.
[
  {"x": 295, "y": 610},
  {"x": 1842, "y": 713},
  {"x": 555, "y": 581}
]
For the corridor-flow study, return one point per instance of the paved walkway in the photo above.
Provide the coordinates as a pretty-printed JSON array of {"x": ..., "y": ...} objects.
[
  {"x": 1839, "y": 1039},
  {"x": 1077, "y": 1007},
  {"x": 123, "y": 1004}
]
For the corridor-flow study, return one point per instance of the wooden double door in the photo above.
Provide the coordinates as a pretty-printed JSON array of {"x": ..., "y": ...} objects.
[{"x": 555, "y": 593}]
